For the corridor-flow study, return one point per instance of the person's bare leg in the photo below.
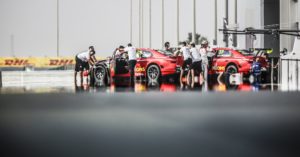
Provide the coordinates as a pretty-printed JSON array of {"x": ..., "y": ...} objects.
[
  {"x": 87, "y": 79},
  {"x": 81, "y": 78},
  {"x": 75, "y": 78},
  {"x": 188, "y": 77},
  {"x": 205, "y": 73},
  {"x": 200, "y": 79},
  {"x": 180, "y": 78},
  {"x": 193, "y": 78}
]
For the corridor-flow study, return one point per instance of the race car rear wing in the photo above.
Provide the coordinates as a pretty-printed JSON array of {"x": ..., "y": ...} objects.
[{"x": 268, "y": 50}]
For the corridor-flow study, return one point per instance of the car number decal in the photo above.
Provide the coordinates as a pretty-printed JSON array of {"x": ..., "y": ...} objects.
[
  {"x": 139, "y": 69},
  {"x": 219, "y": 68}
]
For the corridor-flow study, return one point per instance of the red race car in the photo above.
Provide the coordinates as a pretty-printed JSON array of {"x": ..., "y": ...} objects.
[
  {"x": 234, "y": 61},
  {"x": 151, "y": 64}
]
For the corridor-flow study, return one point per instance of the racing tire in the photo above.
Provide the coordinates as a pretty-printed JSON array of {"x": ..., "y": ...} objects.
[
  {"x": 99, "y": 75},
  {"x": 92, "y": 79},
  {"x": 153, "y": 73},
  {"x": 231, "y": 69}
]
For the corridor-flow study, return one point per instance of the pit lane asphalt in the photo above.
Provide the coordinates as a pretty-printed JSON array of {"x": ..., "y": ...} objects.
[{"x": 188, "y": 124}]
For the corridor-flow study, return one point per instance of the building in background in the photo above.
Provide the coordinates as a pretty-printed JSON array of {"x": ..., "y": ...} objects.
[
  {"x": 29, "y": 27},
  {"x": 289, "y": 19}
]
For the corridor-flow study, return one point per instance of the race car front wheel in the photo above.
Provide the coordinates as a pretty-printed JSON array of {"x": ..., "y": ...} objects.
[
  {"x": 153, "y": 73},
  {"x": 99, "y": 75},
  {"x": 231, "y": 69}
]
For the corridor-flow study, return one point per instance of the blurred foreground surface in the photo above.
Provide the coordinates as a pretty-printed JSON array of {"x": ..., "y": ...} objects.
[
  {"x": 188, "y": 124},
  {"x": 44, "y": 114}
]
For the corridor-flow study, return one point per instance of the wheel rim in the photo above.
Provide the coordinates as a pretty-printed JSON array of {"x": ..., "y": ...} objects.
[
  {"x": 231, "y": 70},
  {"x": 100, "y": 73},
  {"x": 153, "y": 73}
]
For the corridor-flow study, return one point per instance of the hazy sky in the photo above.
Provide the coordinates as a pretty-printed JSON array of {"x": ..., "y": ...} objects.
[{"x": 28, "y": 27}]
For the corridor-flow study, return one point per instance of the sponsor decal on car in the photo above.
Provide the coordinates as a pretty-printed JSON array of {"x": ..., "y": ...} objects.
[
  {"x": 218, "y": 68},
  {"x": 140, "y": 69}
]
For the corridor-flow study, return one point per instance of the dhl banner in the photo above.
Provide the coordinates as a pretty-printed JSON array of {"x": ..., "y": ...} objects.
[{"x": 38, "y": 62}]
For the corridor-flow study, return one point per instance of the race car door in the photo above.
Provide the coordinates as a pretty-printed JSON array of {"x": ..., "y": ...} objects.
[
  {"x": 221, "y": 60},
  {"x": 142, "y": 62}
]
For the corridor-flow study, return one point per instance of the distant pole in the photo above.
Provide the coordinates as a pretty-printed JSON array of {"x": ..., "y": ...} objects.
[
  {"x": 227, "y": 20},
  {"x": 150, "y": 24},
  {"x": 194, "y": 21},
  {"x": 163, "y": 22},
  {"x": 235, "y": 21},
  {"x": 57, "y": 28},
  {"x": 235, "y": 13},
  {"x": 140, "y": 24},
  {"x": 216, "y": 22},
  {"x": 130, "y": 21},
  {"x": 177, "y": 23}
]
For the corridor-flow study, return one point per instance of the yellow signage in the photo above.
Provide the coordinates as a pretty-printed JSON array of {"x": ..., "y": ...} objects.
[{"x": 39, "y": 62}]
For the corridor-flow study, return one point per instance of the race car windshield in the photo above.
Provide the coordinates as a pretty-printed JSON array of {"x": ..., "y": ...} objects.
[{"x": 167, "y": 53}]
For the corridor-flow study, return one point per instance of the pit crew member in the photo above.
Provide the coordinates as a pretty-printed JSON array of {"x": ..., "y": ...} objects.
[
  {"x": 83, "y": 61},
  {"x": 131, "y": 60},
  {"x": 196, "y": 65},
  {"x": 185, "y": 51},
  {"x": 203, "y": 51}
]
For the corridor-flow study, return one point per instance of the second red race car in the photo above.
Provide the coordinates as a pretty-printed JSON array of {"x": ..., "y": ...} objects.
[
  {"x": 227, "y": 60},
  {"x": 151, "y": 64}
]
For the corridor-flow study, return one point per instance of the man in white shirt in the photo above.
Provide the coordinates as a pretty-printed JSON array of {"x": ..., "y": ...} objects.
[
  {"x": 119, "y": 52},
  {"x": 83, "y": 62},
  {"x": 203, "y": 51},
  {"x": 196, "y": 64},
  {"x": 185, "y": 52},
  {"x": 131, "y": 61}
]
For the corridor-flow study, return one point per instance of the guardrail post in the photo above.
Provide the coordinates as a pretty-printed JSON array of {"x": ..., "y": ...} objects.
[
  {"x": 0, "y": 79},
  {"x": 279, "y": 70},
  {"x": 297, "y": 76},
  {"x": 272, "y": 73}
]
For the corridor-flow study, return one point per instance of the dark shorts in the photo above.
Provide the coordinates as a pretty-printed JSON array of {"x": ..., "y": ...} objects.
[
  {"x": 187, "y": 63},
  {"x": 197, "y": 66},
  {"x": 131, "y": 65},
  {"x": 80, "y": 65}
]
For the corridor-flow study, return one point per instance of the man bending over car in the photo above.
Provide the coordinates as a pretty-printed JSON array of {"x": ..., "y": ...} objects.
[
  {"x": 131, "y": 61},
  {"x": 83, "y": 62},
  {"x": 185, "y": 52}
]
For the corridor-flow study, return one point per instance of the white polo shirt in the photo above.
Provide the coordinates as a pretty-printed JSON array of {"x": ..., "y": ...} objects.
[
  {"x": 203, "y": 53},
  {"x": 131, "y": 53},
  {"x": 195, "y": 55},
  {"x": 84, "y": 56},
  {"x": 185, "y": 52}
]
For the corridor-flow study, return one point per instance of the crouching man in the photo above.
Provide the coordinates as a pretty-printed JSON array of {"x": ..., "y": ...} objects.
[{"x": 83, "y": 62}]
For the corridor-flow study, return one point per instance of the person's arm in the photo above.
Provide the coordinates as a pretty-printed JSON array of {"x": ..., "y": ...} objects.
[
  {"x": 94, "y": 58},
  {"x": 91, "y": 60},
  {"x": 191, "y": 54},
  {"x": 178, "y": 52}
]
